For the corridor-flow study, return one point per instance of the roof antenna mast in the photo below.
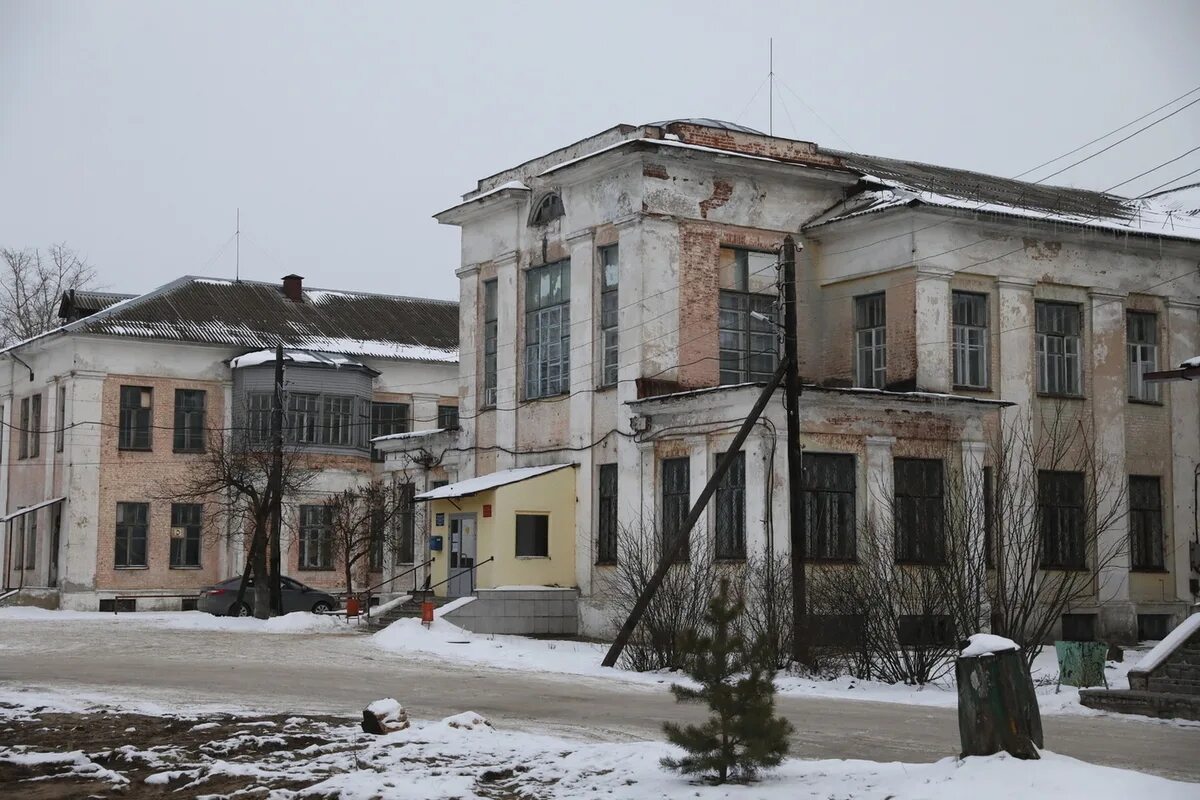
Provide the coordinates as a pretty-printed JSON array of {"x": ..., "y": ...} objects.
[
  {"x": 771, "y": 88},
  {"x": 237, "y": 247}
]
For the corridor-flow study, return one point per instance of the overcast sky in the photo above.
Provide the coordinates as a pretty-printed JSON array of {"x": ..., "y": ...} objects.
[{"x": 132, "y": 131}]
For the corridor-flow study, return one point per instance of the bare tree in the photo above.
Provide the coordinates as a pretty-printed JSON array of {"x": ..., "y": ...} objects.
[
  {"x": 369, "y": 520},
  {"x": 234, "y": 472},
  {"x": 32, "y": 287}
]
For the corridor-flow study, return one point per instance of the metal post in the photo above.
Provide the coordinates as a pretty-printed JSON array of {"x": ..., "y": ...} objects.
[
  {"x": 671, "y": 554},
  {"x": 792, "y": 390}
]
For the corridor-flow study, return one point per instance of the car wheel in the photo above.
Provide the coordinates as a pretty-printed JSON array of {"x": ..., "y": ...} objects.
[
  {"x": 322, "y": 607},
  {"x": 239, "y": 610}
]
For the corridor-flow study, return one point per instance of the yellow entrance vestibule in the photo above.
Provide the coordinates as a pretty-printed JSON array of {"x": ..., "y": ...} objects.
[{"x": 514, "y": 527}]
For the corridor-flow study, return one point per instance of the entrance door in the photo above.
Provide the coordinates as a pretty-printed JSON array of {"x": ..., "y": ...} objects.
[{"x": 462, "y": 555}]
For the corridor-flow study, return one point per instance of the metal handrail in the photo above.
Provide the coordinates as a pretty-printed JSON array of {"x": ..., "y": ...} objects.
[
  {"x": 471, "y": 568},
  {"x": 371, "y": 590}
]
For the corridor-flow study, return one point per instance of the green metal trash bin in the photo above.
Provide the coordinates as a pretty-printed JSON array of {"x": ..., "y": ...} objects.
[{"x": 1081, "y": 663}]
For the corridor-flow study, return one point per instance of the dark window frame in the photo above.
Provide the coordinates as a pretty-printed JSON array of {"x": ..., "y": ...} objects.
[
  {"x": 1141, "y": 344},
  {"x": 447, "y": 417},
  {"x": 406, "y": 524},
  {"x": 23, "y": 421},
  {"x": 606, "y": 513},
  {"x": 1062, "y": 520},
  {"x": 135, "y": 430},
  {"x": 532, "y": 535},
  {"x": 675, "y": 494},
  {"x": 315, "y": 539},
  {"x": 190, "y": 421},
  {"x": 919, "y": 508},
  {"x": 1147, "y": 538},
  {"x": 187, "y": 551},
  {"x": 870, "y": 340},
  {"x": 729, "y": 510},
  {"x": 130, "y": 533},
  {"x": 828, "y": 488},
  {"x": 1059, "y": 363},
  {"x": 610, "y": 342},
  {"x": 548, "y": 316},
  {"x": 60, "y": 424},
  {"x": 971, "y": 340},
  {"x": 490, "y": 341},
  {"x": 747, "y": 348},
  {"x": 388, "y": 418}
]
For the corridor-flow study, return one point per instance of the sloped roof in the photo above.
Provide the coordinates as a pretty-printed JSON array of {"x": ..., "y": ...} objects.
[
  {"x": 77, "y": 303},
  {"x": 253, "y": 314},
  {"x": 484, "y": 483}
]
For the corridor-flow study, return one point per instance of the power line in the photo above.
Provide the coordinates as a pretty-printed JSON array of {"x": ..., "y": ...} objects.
[
  {"x": 1155, "y": 193},
  {"x": 1154, "y": 169}
]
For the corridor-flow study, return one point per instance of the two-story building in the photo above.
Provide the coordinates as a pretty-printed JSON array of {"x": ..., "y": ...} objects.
[
  {"x": 619, "y": 303},
  {"x": 106, "y": 417}
]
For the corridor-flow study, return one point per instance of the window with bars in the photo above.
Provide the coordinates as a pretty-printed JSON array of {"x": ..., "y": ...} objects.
[
  {"x": 827, "y": 504},
  {"x": 258, "y": 417},
  {"x": 1146, "y": 544},
  {"x": 748, "y": 346},
  {"x": 338, "y": 424},
  {"x": 1058, "y": 332},
  {"x": 387, "y": 419},
  {"x": 1062, "y": 519},
  {"x": 133, "y": 526},
  {"x": 606, "y": 514},
  {"x": 676, "y": 479},
  {"x": 490, "y": 331},
  {"x": 970, "y": 350},
  {"x": 186, "y": 531},
  {"x": 533, "y": 536},
  {"x": 189, "y": 420},
  {"x": 303, "y": 418},
  {"x": 730, "y": 509},
  {"x": 610, "y": 350},
  {"x": 1141, "y": 337},
  {"x": 316, "y": 537},
  {"x": 919, "y": 510},
  {"x": 406, "y": 525},
  {"x": 134, "y": 432},
  {"x": 548, "y": 330},
  {"x": 60, "y": 420},
  {"x": 870, "y": 341},
  {"x": 447, "y": 418}
]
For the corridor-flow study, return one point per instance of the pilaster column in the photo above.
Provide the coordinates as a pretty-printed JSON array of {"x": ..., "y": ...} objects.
[
  {"x": 470, "y": 357},
  {"x": 508, "y": 380},
  {"x": 1015, "y": 350},
  {"x": 932, "y": 334},
  {"x": 880, "y": 493}
]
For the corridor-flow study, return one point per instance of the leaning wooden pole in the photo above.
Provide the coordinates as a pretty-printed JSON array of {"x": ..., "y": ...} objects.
[{"x": 671, "y": 554}]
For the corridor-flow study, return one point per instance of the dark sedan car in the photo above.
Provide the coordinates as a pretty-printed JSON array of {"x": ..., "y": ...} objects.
[{"x": 222, "y": 598}]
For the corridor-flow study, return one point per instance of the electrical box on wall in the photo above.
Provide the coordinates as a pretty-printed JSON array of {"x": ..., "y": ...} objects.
[{"x": 435, "y": 544}]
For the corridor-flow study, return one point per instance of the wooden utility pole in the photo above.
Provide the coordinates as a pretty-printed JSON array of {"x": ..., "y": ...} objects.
[
  {"x": 792, "y": 390},
  {"x": 276, "y": 480},
  {"x": 671, "y": 553}
]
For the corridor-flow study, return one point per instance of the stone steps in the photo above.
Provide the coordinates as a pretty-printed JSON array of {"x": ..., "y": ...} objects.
[
  {"x": 1167, "y": 705},
  {"x": 408, "y": 610}
]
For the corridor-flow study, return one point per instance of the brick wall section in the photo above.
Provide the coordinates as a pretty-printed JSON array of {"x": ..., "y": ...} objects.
[{"x": 752, "y": 144}]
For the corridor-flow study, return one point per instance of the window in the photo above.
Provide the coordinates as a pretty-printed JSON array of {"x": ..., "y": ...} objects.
[
  {"x": 870, "y": 341},
  {"x": 406, "y": 525},
  {"x": 827, "y": 505},
  {"x": 925, "y": 630},
  {"x": 675, "y": 502},
  {"x": 29, "y": 540},
  {"x": 1058, "y": 347},
  {"x": 749, "y": 346},
  {"x": 258, "y": 417},
  {"x": 378, "y": 535},
  {"x": 610, "y": 350},
  {"x": 606, "y": 518},
  {"x": 26, "y": 433},
  {"x": 730, "y": 510},
  {"x": 136, "y": 406},
  {"x": 1145, "y": 523},
  {"x": 339, "y": 421},
  {"x": 1141, "y": 336},
  {"x": 1153, "y": 627},
  {"x": 316, "y": 537},
  {"x": 919, "y": 511},
  {"x": 186, "y": 528},
  {"x": 970, "y": 339},
  {"x": 133, "y": 523},
  {"x": 1062, "y": 518},
  {"x": 60, "y": 420},
  {"x": 387, "y": 419},
  {"x": 35, "y": 426},
  {"x": 448, "y": 418},
  {"x": 989, "y": 518},
  {"x": 189, "y": 420},
  {"x": 548, "y": 330},
  {"x": 490, "y": 316},
  {"x": 549, "y": 208},
  {"x": 303, "y": 418},
  {"x": 533, "y": 535}
]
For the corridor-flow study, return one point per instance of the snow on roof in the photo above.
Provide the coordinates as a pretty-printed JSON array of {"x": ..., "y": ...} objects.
[
  {"x": 1194, "y": 361},
  {"x": 313, "y": 357},
  {"x": 987, "y": 644},
  {"x": 1168, "y": 645},
  {"x": 485, "y": 483},
  {"x": 391, "y": 437}
]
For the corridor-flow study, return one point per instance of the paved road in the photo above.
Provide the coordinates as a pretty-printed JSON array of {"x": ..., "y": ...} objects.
[{"x": 340, "y": 674}]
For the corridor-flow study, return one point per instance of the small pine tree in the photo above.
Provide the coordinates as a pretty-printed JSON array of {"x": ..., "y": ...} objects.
[{"x": 743, "y": 735}]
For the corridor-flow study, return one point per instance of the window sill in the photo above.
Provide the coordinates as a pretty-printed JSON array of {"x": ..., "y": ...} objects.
[
  {"x": 1053, "y": 396},
  {"x": 315, "y": 569},
  {"x": 187, "y": 452},
  {"x": 605, "y": 564},
  {"x": 186, "y": 566},
  {"x": 135, "y": 449},
  {"x": 1137, "y": 401},
  {"x": 1150, "y": 570},
  {"x": 604, "y": 387},
  {"x": 961, "y": 388},
  {"x": 131, "y": 567},
  {"x": 532, "y": 558},
  {"x": 833, "y": 561},
  {"x": 1060, "y": 568},
  {"x": 729, "y": 559},
  {"x": 914, "y": 563}
]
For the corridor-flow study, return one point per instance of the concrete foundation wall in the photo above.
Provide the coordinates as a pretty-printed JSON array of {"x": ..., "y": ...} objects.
[{"x": 520, "y": 611}]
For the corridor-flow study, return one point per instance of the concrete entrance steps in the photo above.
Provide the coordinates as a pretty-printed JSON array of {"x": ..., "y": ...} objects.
[
  {"x": 1165, "y": 683},
  {"x": 1168, "y": 705},
  {"x": 409, "y": 609}
]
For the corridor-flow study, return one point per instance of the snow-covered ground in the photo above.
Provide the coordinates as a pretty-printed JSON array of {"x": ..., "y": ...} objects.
[
  {"x": 296, "y": 622},
  {"x": 457, "y": 757},
  {"x": 444, "y": 640}
]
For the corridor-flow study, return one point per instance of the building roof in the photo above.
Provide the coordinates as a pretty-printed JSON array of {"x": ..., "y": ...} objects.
[
  {"x": 707, "y": 122},
  {"x": 258, "y": 315},
  {"x": 311, "y": 358},
  {"x": 882, "y": 394},
  {"x": 485, "y": 483},
  {"x": 78, "y": 303}
]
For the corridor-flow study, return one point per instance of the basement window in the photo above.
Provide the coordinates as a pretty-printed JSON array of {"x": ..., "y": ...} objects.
[{"x": 1153, "y": 627}]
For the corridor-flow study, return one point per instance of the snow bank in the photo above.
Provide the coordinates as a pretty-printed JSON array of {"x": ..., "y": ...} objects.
[
  {"x": 987, "y": 644},
  {"x": 1164, "y": 648},
  {"x": 296, "y": 622}
]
